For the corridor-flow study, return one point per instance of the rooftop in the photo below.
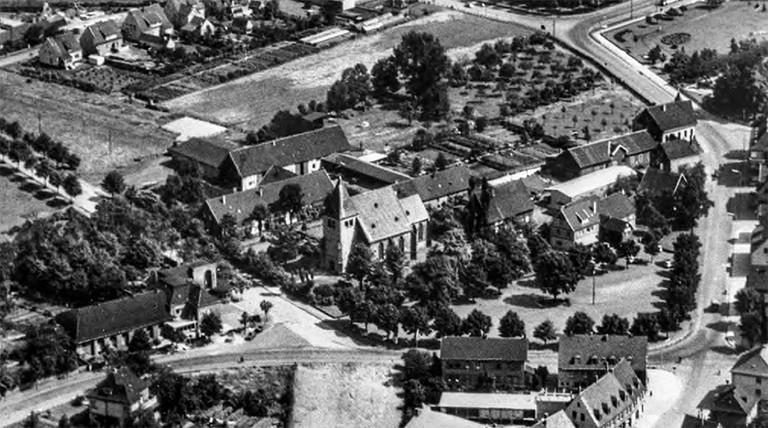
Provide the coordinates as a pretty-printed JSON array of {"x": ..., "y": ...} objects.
[
  {"x": 430, "y": 419},
  {"x": 202, "y": 150},
  {"x": 477, "y": 348},
  {"x": 754, "y": 362},
  {"x": 487, "y": 401},
  {"x": 438, "y": 184},
  {"x": 587, "y": 351},
  {"x": 367, "y": 169},
  {"x": 657, "y": 181},
  {"x": 121, "y": 385},
  {"x": 678, "y": 149},
  {"x": 674, "y": 115},
  {"x": 592, "y": 181}
]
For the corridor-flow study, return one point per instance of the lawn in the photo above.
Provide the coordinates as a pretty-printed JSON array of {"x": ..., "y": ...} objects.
[
  {"x": 20, "y": 201},
  {"x": 85, "y": 122},
  {"x": 624, "y": 292},
  {"x": 251, "y": 101},
  {"x": 712, "y": 29}
]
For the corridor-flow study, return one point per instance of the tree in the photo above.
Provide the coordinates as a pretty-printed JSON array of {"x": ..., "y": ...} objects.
[
  {"x": 416, "y": 166},
  {"x": 72, "y": 185},
  {"x": 415, "y": 320},
  {"x": 507, "y": 70},
  {"x": 656, "y": 55},
  {"x": 581, "y": 258},
  {"x": 395, "y": 262},
  {"x": 173, "y": 335},
  {"x": 613, "y": 324},
  {"x": 750, "y": 326},
  {"x": 20, "y": 152},
  {"x": 210, "y": 324},
  {"x": 435, "y": 102},
  {"x": 441, "y": 163},
  {"x": 290, "y": 199},
  {"x": 511, "y": 325},
  {"x": 114, "y": 183},
  {"x": 384, "y": 77},
  {"x": 140, "y": 342},
  {"x": 545, "y": 331},
  {"x": 651, "y": 244},
  {"x": 555, "y": 274},
  {"x": 604, "y": 253},
  {"x": 245, "y": 318},
  {"x": 360, "y": 264},
  {"x": 421, "y": 60},
  {"x": 64, "y": 422},
  {"x": 646, "y": 325},
  {"x": 265, "y": 306},
  {"x": 457, "y": 76},
  {"x": 628, "y": 249},
  {"x": 481, "y": 123},
  {"x": 476, "y": 324},
  {"x": 446, "y": 323},
  {"x": 579, "y": 323},
  {"x": 748, "y": 300},
  {"x": 488, "y": 56},
  {"x": 387, "y": 318},
  {"x": 353, "y": 88},
  {"x": 259, "y": 214}
]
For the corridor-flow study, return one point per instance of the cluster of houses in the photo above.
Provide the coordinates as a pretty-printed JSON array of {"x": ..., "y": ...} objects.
[{"x": 602, "y": 382}]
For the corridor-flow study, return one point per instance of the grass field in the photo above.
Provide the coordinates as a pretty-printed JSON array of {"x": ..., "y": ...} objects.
[
  {"x": 84, "y": 122},
  {"x": 712, "y": 29},
  {"x": 251, "y": 101},
  {"x": 19, "y": 204}
]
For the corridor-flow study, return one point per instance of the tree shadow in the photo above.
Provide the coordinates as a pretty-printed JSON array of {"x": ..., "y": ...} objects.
[
  {"x": 719, "y": 326},
  {"x": 736, "y": 155},
  {"x": 528, "y": 283},
  {"x": 397, "y": 125},
  {"x": 724, "y": 350},
  {"x": 43, "y": 194},
  {"x": 57, "y": 203},
  {"x": 528, "y": 300}
]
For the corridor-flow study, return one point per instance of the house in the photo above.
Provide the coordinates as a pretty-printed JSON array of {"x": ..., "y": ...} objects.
[
  {"x": 189, "y": 289},
  {"x": 558, "y": 419},
  {"x": 675, "y": 120},
  {"x": 617, "y": 399},
  {"x": 62, "y": 51},
  {"x": 673, "y": 154},
  {"x": 315, "y": 188},
  {"x": 361, "y": 172},
  {"x": 490, "y": 407},
  {"x": 150, "y": 20},
  {"x": 300, "y": 154},
  {"x": 750, "y": 373},
  {"x": 656, "y": 182},
  {"x": 758, "y": 158},
  {"x": 242, "y": 24},
  {"x": 102, "y": 38},
  {"x": 121, "y": 398},
  {"x": 593, "y": 184},
  {"x": 438, "y": 187},
  {"x": 632, "y": 150},
  {"x": 110, "y": 325},
  {"x": 471, "y": 363},
  {"x": 377, "y": 219},
  {"x": 181, "y": 12},
  {"x": 427, "y": 418},
  {"x": 199, "y": 27},
  {"x": 757, "y": 277},
  {"x": 493, "y": 205},
  {"x": 587, "y": 220},
  {"x": 204, "y": 154},
  {"x": 582, "y": 359}
]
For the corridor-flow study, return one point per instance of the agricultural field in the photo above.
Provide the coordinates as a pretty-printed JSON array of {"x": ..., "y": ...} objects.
[
  {"x": 20, "y": 202},
  {"x": 85, "y": 123},
  {"x": 699, "y": 27},
  {"x": 250, "y": 102}
]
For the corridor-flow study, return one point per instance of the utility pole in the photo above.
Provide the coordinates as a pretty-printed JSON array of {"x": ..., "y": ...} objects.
[
  {"x": 631, "y": 9},
  {"x": 39, "y": 123},
  {"x": 593, "y": 282}
]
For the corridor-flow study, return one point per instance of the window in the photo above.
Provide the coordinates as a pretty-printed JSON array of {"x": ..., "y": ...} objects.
[
  {"x": 331, "y": 224},
  {"x": 421, "y": 232},
  {"x": 758, "y": 381},
  {"x": 758, "y": 392}
]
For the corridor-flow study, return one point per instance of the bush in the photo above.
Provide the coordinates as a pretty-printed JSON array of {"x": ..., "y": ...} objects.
[{"x": 324, "y": 294}]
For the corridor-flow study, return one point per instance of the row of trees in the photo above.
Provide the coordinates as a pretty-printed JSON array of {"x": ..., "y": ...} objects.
[{"x": 684, "y": 281}]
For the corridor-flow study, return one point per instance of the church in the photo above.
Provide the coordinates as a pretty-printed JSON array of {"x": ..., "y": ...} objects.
[{"x": 377, "y": 219}]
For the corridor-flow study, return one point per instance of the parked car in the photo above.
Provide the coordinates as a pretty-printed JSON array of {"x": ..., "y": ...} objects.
[{"x": 667, "y": 264}]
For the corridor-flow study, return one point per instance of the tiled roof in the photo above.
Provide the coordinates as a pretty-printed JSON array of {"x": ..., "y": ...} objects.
[
  {"x": 121, "y": 386},
  {"x": 674, "y": 115},
  {"x": 104, "y": 31},
  {"x": 591, "y": 154},
  {"x": 507, "y": 201},
  {"x": 115, "y": 316},
  {"x": 581, "y": 213},
  {"x": 201, "y": 150},
  {"x": 657, "y": 181},
  {"x": 384, "y": 175},
  {"x": 315, "y": 188},
  {"x": 558, "y": 419},
  {"x": 761, "y": 143},
  {"x": 427, "y": 418},
  {"x": 437, "y": 184},
  {"x": 67, "y": 42},
  {"x": 381, "y": 215},
  {"x": 596, "y": 180},
  {"x": 634, "y": 142},
  {"x": 730, "y": 399},
  {"x": 678, "y": 149},
  {"x": 291, "y": 150},
  {"x": 610, "y": 396},
  {"x": 475, "y": 400},
  {"x": 616, "y": 205},
  {"x": 754, "y": 362},
  {"x": 277, "y": 173},
  {"x": 575, "y": 352},
  {"x": 180, "y": 275},
  {"x": 477, "y": 348}
]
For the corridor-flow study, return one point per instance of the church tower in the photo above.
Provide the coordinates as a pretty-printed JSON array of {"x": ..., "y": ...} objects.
[{"x": 339, "y": 225}]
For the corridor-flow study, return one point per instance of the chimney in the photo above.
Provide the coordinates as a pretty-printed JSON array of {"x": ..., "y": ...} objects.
[
  {"x": 663, "y": 107},
  {"x": 594, "y": 206},
  {"x": 223, "y": 199},
  {"x": 261, "y": 191},
  {"x": 273, "y": 143}
]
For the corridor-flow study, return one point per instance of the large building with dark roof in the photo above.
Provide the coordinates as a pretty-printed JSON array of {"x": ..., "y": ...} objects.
[
  {"x": 102, "y": 38},
  {"x": 377, "y": 219},
  {"x": 300, "y": 154},
  {"x": 121, "y": 398},
  {"x": 438, "y": 187},
  {"x": 62, "y": 51},
  {"x": 592, "y": 219},
  {"x": 470, "y": 363},
  {"x": 205, "y": 154},
  {"x": 633, "y": 150},
  {"x": 507, "y": 201},
  {"x": 665, "y": 122},
  {"x": 110, "y": 325},
  {"x": 582, "y": 359}
]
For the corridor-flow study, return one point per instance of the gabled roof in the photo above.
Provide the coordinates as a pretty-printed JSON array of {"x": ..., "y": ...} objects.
[
  {"x": 277, "y": 173},
  {"x": 596, "y": 180},
  {"x": 367, "y": 169},
  {"x": 634, "y": 142},
  {"x": 339, "y": 204},
  {"x": 477, "y": 348},
  {"x": 581, "y": 213},
  {"x": 729, "y": 399},
  {"x": 66, "y": 43},
  {"x": 591, "y": 154},
  {"x": 427, "y": 418},
  {"x": 202, "y": 150},
  {"x": 104, "y": 32},
  {"x": 610, "y": 396},
  {"x": 121, "y": 386},
  {"x": 753, "y": 363},
  {"x": 437, "y": 184},
  {"x": 575, "y": 352},
  {"x": 678, "y": 149},
  {"x": 674, "y": 115},
  {"x": 558, "y": 419},
  {"x": 616, "y": 205},
  {"x": 381, "y": 214},
  {"x": 474, "y": 400},
  {"x": 315, "y": 187},
  {"x": 656, "y": 181},
  {"x": 291, "y": 150},
  {"x": 180, "y": 275},
  {"x": 115, "y": 316},
  {"x": 508, "y": 200}
]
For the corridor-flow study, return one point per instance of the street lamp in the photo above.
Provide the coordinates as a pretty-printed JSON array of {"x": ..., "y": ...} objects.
[{"x": 593, "y": 281}]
